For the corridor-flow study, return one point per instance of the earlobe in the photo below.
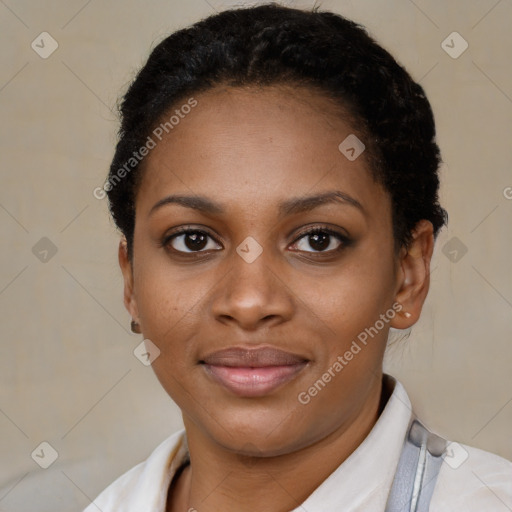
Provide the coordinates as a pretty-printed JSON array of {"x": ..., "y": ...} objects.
[
  {"x": 127, "y": 271},
  {"x": 414, "y": 275}
]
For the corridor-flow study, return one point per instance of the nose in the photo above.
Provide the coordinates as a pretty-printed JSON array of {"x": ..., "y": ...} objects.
[{"x": 253, "y": 295}]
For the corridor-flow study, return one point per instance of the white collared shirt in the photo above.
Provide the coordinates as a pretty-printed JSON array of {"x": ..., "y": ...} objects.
[{"x": 470, "y": 479}]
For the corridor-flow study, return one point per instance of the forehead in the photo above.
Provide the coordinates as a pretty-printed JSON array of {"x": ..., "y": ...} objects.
[{"x": 256, "y": 146}]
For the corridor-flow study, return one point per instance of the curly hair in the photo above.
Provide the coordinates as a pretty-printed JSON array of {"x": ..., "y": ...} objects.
[{"x": 275, "y": 45}]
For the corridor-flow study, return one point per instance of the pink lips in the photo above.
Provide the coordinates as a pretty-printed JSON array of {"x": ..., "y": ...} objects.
[{"x": 253, "y": 372}]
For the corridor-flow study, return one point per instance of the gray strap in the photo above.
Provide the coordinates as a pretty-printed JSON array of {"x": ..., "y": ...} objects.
[{"x": 417, "y": 471}]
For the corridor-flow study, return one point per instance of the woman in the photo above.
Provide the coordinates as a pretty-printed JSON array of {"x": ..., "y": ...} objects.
[{"x": 276, "y": 186}]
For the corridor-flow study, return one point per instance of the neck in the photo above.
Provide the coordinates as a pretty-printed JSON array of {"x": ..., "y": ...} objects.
[{"x": 220, "y": 479}]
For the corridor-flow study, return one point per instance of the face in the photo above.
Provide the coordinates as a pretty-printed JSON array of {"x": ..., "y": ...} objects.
[{"x": 263, "y": 266}]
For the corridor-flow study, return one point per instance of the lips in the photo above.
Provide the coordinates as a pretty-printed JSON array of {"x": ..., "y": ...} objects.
[
  {"x": 252, "y": 372},
  {"x": 256, "y": 358}
]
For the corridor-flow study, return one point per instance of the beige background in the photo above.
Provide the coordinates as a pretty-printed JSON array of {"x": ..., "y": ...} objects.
[{"x": 67, "y": 371}]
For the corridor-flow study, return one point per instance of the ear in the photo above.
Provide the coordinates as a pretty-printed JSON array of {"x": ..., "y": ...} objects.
[
  {"x": 414, "y": 275},
  {"x": 127, "y": 271}
]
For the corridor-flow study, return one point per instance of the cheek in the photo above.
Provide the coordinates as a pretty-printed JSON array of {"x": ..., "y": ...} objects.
[
  {"x": 349, "y": 307},
  {"x": 164, "y": 292},
  {"x": 167, "y": 306},
  {"x": 351, "y": 298}
]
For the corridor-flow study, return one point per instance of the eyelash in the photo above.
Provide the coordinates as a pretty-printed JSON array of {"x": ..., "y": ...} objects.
[{"x": 344, "y": 240}]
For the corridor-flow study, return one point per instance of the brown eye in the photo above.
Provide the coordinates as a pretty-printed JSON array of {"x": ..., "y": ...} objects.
[
  {"x": 321, "y": 240},
  {"x": 190, "y": 241}
]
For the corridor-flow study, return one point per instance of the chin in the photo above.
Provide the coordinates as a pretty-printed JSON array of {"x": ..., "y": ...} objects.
[{"x": 255, "y": 434}]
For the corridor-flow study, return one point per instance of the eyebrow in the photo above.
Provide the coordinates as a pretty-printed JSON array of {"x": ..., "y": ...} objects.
[{"x": 288, "y": 207}]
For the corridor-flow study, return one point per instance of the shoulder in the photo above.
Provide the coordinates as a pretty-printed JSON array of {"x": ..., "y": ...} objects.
[
  {"x": 146, "y": 483},
  {"x": 471, "y": 479}
]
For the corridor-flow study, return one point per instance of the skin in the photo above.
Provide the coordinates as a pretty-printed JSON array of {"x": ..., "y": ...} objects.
[{"x": 249, "y": 150}]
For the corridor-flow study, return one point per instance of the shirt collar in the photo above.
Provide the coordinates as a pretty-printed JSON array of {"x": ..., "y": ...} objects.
[
  {"x": 361, "y": 482},
  {"x": 364, "y": 479},
  {"x": 150, "y": 491}
]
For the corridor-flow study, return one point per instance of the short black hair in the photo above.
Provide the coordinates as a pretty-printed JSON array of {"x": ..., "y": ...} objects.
[{"x": 276, "y": 45}]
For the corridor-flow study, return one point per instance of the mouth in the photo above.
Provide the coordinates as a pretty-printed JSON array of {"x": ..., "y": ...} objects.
[{"x": 252, "y": 372}]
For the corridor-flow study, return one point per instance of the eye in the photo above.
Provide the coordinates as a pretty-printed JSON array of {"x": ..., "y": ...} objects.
[
  {"x": 187, "y": 240},
  {"x": 321, "y": 240}
]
